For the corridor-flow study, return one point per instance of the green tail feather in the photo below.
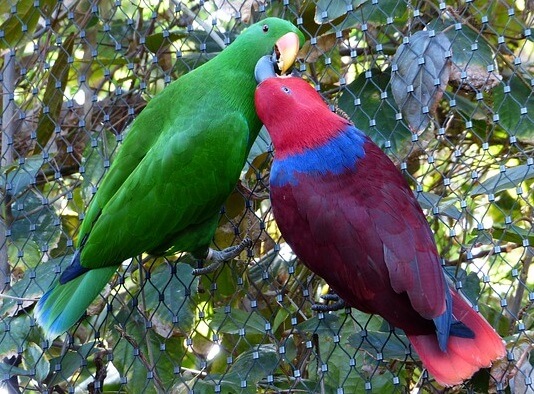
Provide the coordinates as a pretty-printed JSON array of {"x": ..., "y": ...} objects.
[{"x": 63, "y": 305}]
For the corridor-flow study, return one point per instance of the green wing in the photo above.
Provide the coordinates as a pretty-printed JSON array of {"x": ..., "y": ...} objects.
[
  {"x": 180, "y": 184},
  {"x": 171, "y": 199},
  {"x": 142, "y": 134}
]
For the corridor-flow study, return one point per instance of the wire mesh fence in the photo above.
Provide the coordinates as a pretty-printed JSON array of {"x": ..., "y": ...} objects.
[{"x": 445, "y": 88}]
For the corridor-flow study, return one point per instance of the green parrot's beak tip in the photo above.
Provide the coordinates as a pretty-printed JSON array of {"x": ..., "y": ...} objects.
[{"x": 286, "y": 50}]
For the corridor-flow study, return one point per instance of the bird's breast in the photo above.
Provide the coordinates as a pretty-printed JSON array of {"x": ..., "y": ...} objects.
[{"x": 333, "y": 157}]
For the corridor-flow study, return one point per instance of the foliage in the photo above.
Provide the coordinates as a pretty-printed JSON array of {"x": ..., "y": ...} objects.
[{"x": 77, "y": 72}]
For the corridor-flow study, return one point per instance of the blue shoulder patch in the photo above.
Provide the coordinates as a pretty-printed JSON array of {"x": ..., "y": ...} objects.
[{"x": 335, "y": 156}]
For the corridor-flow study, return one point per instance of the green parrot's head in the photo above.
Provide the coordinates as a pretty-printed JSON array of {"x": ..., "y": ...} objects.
[{"x": 270, "y": 36}]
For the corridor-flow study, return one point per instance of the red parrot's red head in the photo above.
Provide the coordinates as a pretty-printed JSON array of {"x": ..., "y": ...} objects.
[{"x": 294, "y": 113}]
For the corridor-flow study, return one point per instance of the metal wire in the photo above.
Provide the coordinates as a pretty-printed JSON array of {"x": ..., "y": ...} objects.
[{"x": 75, "y": 73}]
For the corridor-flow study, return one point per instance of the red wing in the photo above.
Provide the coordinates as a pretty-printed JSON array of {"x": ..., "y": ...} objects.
[{"x": 366, "y": 230}]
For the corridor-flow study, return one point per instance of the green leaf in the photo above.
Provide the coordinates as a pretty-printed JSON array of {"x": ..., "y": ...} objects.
[
  {"x": 335, "y": 370},
  {"x": 9, "y": 370},
  {"x": 66, "y": 365},
  {"x": 275, "y": 263},
  {"x": 165, "y": 355},
  {"x": 322, "y": 324},
  {"x": 232, "y": 321},
  {"x": 470, "y": 282},
  {"x": 373, "y": 112},
  {"x": 512, "y": 233},
  {"x": 14, "y": 333},
  {"x": 432, "y": 201},
  {"x": 207, "y": 386},
  {"x": 481, "y": 237},
  {"x": 255, "y": 364},
  {"x": 328, "y": 10},
  {"x": 49, "y": 117},
  {"x": 33, "y": 360},
  {"x": 250, "y": 367},
  {"x": 346, "y": 368},
  {"x": 281, "y": 316},
  {"x": 98, "y": 154},
  {"x": 18, "y": 28},
  {"x": 500, "y": 18},
  {"x": 471, "y": 57},
  {"x": 363, "y": 11},
  {"x": 169, "y": 293},
  {"x": 191, "y": 41},
  {"x": 26, "y": 253},
  {"x": 462, "y": 42},
  {"x": 34, "y": 283},
  {"x": 356, "y": 380},
  {"x": 514, "y": 104},
  {"x": 155, "y": 42},
  {"x": 34, "y": 226},
  {"x": 386, "y": 344},
  {"x": 471, "y": 109},
  {"x": 477, "y": 114},
  {"x": 507, "y": 178},
  {"x": 22, "y": 175}
]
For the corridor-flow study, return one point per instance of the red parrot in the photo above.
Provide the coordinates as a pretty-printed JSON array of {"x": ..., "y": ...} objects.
[{"x": 350, "y": 216}]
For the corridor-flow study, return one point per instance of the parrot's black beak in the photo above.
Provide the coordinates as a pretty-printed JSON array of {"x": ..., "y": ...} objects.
[{"x": 265, "y": 68}]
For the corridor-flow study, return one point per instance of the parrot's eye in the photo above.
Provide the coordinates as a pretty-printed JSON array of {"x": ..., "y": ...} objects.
[
  {"x": 286, "y": 90},
  {"x": 265, "y": 28}
]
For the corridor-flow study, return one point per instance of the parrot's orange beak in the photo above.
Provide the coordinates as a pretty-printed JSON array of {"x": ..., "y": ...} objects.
[{"x": 286, "y": 49}]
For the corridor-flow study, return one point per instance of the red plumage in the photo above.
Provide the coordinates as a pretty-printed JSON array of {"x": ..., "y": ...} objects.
[
  {"x": 350, "y": 216},
  {"x": 464, "y": 356}
]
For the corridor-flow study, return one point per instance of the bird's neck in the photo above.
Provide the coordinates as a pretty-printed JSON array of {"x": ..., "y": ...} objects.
[
  {"x": 289, "y": 138},
  {"x": 237, "y": 73},
  {"x": 337, "y": 153}
]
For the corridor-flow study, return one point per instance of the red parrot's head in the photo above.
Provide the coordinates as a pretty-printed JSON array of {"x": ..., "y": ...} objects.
[{"x": 295, "y": 115}]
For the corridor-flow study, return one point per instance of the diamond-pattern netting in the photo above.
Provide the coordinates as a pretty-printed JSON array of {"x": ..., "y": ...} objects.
[{"x": 74, "y": 74}]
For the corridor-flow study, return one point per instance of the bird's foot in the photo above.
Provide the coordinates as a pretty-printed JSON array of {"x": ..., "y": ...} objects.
[
  {"x": 217, "y": 257},
  {"x": 337, "y": 304}
]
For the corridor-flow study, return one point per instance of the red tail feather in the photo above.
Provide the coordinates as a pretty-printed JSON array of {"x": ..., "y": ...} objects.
[{"x": 464, "y": 356}]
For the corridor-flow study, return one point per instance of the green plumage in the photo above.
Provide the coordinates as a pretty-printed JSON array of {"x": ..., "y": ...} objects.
[{"x": 180, "y": 160}]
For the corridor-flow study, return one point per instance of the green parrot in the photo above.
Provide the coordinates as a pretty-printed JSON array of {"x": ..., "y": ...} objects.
[{"x": 180, "y": 160}]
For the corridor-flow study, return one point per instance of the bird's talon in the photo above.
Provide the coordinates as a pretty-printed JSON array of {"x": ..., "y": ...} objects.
[
  {"x": 220, "y": 256},
  {"x": 207, "y": 270},
  {"x": 335, "y": 306},
  {"x": 330, "y": 297}
]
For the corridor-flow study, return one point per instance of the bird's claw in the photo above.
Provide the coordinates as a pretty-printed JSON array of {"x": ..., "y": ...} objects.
[
  {"x": 337, "y": 304},
  {"x": 207, "y": 269},
  {"x": 220, "y": 256}
]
